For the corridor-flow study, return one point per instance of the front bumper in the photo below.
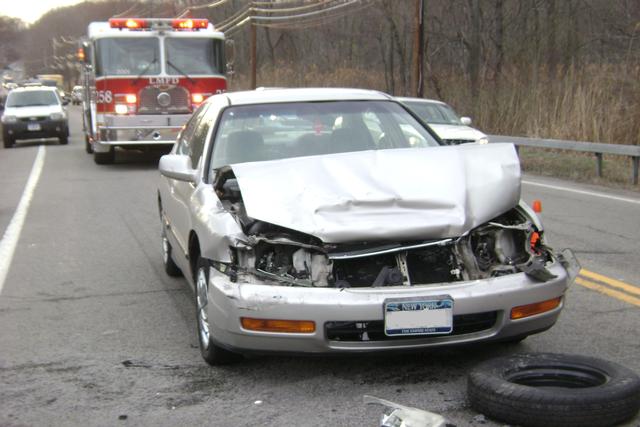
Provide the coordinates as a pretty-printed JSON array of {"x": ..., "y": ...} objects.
[
  {"x": 46, "y": 129},
  {"x": 138, "y": 130},
  {"x": 481, "y": 309}
]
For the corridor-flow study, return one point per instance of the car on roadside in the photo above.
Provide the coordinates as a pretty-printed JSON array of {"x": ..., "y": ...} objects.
[
  {"x": 333, "y": 221},
  {"x": 451, "y": 128},
  {"x": 34, "y": 112},
  {"x": 76, "y": 95}
]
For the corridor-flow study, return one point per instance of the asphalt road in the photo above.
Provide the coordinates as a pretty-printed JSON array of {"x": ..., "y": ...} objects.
[{"x": 92, "y": 332}]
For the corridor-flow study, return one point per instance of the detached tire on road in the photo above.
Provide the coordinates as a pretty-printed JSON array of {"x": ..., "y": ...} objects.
[{"x": 549, "y": 390}]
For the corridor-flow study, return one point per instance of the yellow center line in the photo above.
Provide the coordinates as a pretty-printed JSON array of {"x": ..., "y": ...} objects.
[
  {"x": 609, "y": 281},
  {"x": 608, "y": 291}
]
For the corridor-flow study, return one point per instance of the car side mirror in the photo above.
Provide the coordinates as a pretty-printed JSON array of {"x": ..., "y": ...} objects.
[
  {"x": 65, "y": 101},
  {"x": 465, "y": 121},
  {"x": 177, "y": 166}
]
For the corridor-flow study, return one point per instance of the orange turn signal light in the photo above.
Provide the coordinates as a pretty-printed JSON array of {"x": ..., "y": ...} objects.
[
  {"x": 523, "y": 311},
  {"x": 537, "y": 206},
  {"x": 197, "y": 98},
  {"x": 278, "y": 325},
  {"x": 131, "y": 98}
]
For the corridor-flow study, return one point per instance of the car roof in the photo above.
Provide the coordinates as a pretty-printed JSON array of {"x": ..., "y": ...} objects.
[
  {"x": 277, "y": 95},
  {"x": 34, "y": 88},
  {"x": 424, "y": 100}
]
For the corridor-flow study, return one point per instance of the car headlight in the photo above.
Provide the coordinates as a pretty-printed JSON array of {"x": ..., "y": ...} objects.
[
  {"x": 483, "y": 140},
  {"x": 9, "y": 119},
  {"x": 56, "y": 116}
]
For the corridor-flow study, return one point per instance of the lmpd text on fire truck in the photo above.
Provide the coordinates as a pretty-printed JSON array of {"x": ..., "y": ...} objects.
[{"x": 143, "y": 78}]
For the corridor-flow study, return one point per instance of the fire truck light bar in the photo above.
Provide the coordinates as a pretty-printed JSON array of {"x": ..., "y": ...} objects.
[
  {"x": 190, "y": 24},
  {"x": 176, "y": 24},
  {"x": 130, "y": 23}
]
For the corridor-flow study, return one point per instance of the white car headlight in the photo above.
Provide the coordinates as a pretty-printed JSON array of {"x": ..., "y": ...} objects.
[
  {"x": 56, "y": 116},
  {"x": 9, "y": 119},
  {"x": 483, "y": 140},
  {"x": 121, "y": 109}
]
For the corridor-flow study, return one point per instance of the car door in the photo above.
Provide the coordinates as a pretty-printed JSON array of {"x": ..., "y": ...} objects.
[{"x": 178, "y": 193}]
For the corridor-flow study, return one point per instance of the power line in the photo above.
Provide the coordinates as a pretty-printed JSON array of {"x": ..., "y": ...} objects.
[{"x": 204, "y": 6}]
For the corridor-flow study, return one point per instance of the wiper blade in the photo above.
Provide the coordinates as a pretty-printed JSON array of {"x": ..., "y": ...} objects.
[
  {"x": 155, "y": 60},
  {"x": 171, "y": 64}
]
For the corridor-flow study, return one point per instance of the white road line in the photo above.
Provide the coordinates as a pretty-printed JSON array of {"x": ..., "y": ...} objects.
[
  {"x": 12, "y": 233},
  {"x": 588, "y": 193}
]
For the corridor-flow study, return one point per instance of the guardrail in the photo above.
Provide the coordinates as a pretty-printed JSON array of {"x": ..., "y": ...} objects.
[{"x": 597, "y": 148}]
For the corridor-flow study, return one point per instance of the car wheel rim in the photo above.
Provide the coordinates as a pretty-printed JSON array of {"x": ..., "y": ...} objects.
[{"x": 203, "y": 319}]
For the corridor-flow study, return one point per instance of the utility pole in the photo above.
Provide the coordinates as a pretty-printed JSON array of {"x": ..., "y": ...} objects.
[
  {"x": 418, "y": 50},
  {"x": 253, "y": 59}
]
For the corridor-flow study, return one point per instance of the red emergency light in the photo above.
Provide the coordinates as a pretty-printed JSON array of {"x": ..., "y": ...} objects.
[
  {"x": 190, "y": 24},
  {"x": 129, "y": 23}
]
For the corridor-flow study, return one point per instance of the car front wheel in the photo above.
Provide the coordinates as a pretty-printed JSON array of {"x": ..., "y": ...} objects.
[
  {"x": 8, "y": 141},
  {"x": 170, "y": 266},
  {"x": 211, "y": 353}
]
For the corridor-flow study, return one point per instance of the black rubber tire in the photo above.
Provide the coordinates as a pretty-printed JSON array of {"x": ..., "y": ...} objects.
[
  {"x": 8, "y": 141},
  {"x": 549, "y": 390},
  {"x": 213, "y": 354},
  {"x": 170, "y": 267},
  {"x": 105, "y": 158},
  {"x": 87, "y": 145},
  {"x": 64, "y": 139}
]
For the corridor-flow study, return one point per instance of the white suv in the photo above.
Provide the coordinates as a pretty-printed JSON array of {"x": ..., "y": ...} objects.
[{"x": 34, "y": 112}]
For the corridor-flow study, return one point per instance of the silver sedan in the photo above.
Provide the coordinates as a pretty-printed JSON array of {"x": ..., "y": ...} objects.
[{"x": 330, "y": 220}]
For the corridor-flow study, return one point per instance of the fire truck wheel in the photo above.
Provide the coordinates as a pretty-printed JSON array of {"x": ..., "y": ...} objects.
[
  {"x": 87, "y": 145},
  {"x": 105, "y": 158}
]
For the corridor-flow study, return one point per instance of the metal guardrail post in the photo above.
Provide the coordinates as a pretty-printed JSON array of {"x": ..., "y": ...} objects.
[
  {"x": 635, "y": 161},
  {"x": 599, "y": 165}
]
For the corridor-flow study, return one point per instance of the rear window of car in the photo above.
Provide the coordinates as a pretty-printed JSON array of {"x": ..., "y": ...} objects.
[
  {"x": 32, "y": 98},
  {"x": 277, "y": 131}
]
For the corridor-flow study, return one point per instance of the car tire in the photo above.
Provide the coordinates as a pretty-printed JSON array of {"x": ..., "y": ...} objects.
[
  {"x": 212, "y": 354},
  {"x": 548, "y": 390},
  {"x": 105, "y": 158},
  {"x": 87, "y": 145},
  {"x": 170, "y": 266},
  {"x": 64, "y": 139},
  {"x": 8, "y": 141}
]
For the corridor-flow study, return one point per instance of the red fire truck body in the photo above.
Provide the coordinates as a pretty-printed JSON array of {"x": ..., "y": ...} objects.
[{"x": 144, "y": 77}]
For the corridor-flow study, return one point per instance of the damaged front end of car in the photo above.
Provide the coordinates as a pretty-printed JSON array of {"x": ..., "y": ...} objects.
[{"x": 510, "y": 243}]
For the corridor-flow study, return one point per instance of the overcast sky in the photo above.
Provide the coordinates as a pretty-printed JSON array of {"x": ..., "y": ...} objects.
[{"x": 30, "y": 10}]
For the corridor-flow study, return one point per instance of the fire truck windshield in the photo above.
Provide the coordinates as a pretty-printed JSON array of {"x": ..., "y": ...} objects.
[
  {"x": 127, "y": 56},
  {"x": 193, "y": 56}
]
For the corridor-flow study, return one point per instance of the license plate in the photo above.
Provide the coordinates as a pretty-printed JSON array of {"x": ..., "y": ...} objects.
[
  {"x": 33, "y": 126},
  {"x": 418, "y": 316}
]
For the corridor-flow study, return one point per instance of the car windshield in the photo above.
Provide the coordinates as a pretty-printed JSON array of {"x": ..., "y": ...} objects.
[
  {"x": 278, "y": 131},
  {"x": 435, "y": 113},
  {"x": 32, "y": 98},
  {"x": 193, "y": 56},
  {"x": 127, "y": 56}
]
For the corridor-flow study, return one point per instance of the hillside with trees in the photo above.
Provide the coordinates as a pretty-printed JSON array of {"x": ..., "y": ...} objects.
[{"x": 554, "y": 68}]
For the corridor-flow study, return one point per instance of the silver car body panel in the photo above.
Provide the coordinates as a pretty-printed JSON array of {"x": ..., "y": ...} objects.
[
  {"x": 433, "y": 193},
  {"x": 438, "y": 193}
]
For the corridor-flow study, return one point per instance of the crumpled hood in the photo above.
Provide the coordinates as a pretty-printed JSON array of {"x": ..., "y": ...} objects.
[
  {"x": 456, "y": 132},
  {"x": 400, "y": 194}
]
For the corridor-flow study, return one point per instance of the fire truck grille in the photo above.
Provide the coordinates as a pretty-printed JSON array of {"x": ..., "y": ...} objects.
[{"x": 176, "y": 100}]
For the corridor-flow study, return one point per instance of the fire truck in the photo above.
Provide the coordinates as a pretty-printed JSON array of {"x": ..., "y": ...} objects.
[{"x": 142, "y": 79}]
